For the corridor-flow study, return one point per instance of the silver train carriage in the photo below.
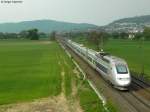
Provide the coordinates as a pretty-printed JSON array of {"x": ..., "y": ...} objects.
[{"x": 113, "y": 69}]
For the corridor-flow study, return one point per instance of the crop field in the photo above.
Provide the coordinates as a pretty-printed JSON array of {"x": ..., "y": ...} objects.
[
  {"x": 137, "y": 57},
  {"x": 31, "y": 70},
  {"x": 26, "y": 71}
]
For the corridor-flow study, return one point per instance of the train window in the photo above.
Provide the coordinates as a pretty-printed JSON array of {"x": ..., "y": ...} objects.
[
  {"x": 101, "y": 67},
  {"x": 82, "y": 53},
  {"x": 121, "y": 69},
  {"x": 89, "y": 58}
]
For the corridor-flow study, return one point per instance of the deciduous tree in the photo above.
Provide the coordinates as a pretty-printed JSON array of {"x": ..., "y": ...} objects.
[
  {"x": 98, "y": 38},
  {"x": 33, "y": 34}
]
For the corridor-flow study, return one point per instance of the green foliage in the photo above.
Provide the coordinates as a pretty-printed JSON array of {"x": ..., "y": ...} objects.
[
  {"x": 115, "y": 35},
  {"x": 43, "y": 35},
  {"x": 146, "y": 33},
  {"x": 8, "y": 35},
  {"x": 110, "y": 106},
  {"x": 23, "y": 34},
  {"x": 123, "y": 35},
  {"x": 119, "y": 35},
  {"x": 33, "y": 34},
  {"x": 98, "y": 39},
  {"x": 69, "y": 75},
  {"x": 138, "y": 36},
  {"x": 95, "y": 38},
  {"x": 89, "y": 101},
  {"x": 53, "y": 36},
  {"x": 67, "y": 67}
]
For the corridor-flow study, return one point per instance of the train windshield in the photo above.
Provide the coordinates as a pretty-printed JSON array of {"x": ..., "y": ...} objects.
[{"x": 121, "y": 69}]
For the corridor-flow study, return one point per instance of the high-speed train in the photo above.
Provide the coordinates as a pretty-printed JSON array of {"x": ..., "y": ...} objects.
[{"x": 113, "y": 69}]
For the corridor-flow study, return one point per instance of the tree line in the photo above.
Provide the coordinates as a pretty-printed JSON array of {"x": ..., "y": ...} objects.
[
  {"x": 96, "y": 38},
  {"x": 31, "y": 34}
]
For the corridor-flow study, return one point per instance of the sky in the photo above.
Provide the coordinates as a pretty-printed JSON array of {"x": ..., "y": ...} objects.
[{"x": 98, "y": 12}]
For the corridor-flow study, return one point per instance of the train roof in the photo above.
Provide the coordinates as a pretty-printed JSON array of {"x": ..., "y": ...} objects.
[
  {"x": 114, "y": 59},
  {"x": 109, "y": 58},
  {"x": 102, "y": 55}
]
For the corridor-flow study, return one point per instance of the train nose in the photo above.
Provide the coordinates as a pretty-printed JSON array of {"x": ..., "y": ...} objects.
[{"x": 124, "y": 81}]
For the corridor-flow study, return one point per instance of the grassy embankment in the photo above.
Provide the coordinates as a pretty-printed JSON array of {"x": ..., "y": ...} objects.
[
  {"x": 30, "y": 70},
  {"x": 135, "y": 56}
]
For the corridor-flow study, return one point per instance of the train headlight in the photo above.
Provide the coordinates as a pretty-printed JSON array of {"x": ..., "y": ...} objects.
[{"x": 124, "y": 79}]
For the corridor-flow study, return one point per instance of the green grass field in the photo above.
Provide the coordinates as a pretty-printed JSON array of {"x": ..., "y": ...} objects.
[
  {"x": 28, "y": 70},
  {"x": 33, "y": 69},
  {"x": 128, "y": 50}
]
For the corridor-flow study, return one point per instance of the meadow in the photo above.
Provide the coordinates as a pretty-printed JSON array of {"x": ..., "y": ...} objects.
[
  {"x": 26, "y": 72},
  {"x": 31, "y": 70},
  {"x": 136, "y": 53}
]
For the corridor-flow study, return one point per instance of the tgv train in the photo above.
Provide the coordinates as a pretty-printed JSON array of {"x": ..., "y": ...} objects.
[{"x": 113, "y": 69}]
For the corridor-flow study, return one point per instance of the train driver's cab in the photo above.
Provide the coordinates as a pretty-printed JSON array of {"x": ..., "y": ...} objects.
[{"x": 121, "y": 69}]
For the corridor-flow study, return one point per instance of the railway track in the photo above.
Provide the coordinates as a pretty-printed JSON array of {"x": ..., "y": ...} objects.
[
  {"x": 137, "y": 99},
  {"x": 141, "y": 84},
  {"x": 135, "y": 102},
  {"x": 141, "y": 91}
]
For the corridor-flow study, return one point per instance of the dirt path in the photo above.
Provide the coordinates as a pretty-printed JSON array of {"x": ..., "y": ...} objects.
[
  {"x": 55, "y": 104},
  {"x": 73, "y": 102}
]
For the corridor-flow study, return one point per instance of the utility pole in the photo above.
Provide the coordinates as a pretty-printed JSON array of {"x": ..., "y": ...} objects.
[
  {"x": 102, "y": 42},
  {"x": 141, "y": 57}
]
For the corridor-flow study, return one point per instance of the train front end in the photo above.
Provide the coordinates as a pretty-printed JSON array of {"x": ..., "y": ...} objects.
[{"x": 122, "y": 76}]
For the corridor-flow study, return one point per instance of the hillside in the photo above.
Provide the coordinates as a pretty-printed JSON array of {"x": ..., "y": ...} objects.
[
  {"x": 137, "y": 20},
  {"x": 44, "y": 26},
  {"x": 132, "y": 24}
]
